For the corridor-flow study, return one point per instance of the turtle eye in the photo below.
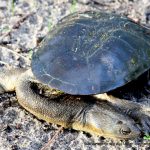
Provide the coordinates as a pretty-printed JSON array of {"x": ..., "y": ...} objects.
[{"x": 125, "y": 131}]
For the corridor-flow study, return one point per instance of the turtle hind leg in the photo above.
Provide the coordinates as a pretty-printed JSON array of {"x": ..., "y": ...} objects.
[{"x": 139, "y": 112}]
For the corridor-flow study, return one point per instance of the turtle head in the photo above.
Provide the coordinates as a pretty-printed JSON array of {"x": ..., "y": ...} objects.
[{"x": 107, "y": 121}]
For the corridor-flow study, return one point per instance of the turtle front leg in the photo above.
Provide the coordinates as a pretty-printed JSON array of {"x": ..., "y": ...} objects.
[{"x": 139, "y": 112}]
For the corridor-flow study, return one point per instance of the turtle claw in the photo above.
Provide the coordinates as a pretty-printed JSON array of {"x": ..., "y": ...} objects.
[
  {"x": 143, "y": 117},
  {"x": 145, "y": 122}
]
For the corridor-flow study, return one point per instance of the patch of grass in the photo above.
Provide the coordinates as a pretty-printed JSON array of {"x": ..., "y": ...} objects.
[
  {"x": 73, "y": 6},
  {"x": 30, "y": 53},
  {"x": 146, "y": 137}
]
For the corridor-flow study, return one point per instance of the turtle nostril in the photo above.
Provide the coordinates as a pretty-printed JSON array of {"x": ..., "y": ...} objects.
[
  {"x": 125, "y": 131},
  {"x": 119, "y": 122}
]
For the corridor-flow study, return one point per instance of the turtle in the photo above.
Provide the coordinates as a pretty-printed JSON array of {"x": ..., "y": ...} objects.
[{"x": 86, "y": 55}]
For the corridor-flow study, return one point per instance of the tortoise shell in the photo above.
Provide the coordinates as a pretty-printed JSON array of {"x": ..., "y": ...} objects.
[{"x": 92, "y": 52}]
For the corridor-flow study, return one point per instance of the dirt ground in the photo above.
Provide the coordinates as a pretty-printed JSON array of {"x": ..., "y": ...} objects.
[{"x": 23, "y": 24}]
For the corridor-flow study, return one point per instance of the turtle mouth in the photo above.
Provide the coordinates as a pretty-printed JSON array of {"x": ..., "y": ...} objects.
[
  {"x": 122, "y": 137},
  {"x": 124, "y": 134}
]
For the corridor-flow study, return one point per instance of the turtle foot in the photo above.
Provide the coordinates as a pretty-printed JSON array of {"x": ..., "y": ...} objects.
[{"x": 143, "y": 119}]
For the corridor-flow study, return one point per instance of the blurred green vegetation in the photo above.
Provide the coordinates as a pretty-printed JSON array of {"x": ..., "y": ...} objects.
[
  {"x": 13, "y": 7},
  {"x": 4, "y": 29},
  {"x": 30, "y": 53},
  {"x": 49, "y": 26},
  {"x": 73, "y": 6},
  {"x": 146, "y": 137}
]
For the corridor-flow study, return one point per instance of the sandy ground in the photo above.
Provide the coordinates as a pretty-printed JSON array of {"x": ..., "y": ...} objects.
[{"x": 22, "y": 24}]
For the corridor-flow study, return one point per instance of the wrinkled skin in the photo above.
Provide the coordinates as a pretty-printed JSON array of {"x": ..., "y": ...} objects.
[{"x": 100, "y": 115}]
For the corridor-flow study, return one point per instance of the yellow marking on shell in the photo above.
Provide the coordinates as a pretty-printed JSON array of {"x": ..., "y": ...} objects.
[{"x": 133, "y": 61}]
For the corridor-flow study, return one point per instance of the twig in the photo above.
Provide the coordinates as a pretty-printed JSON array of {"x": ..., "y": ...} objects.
[
  {"x": 17, "y": 24},
  {"x": 98, "y": 3},
  {"x": 4, "y": 63},
  {"x": 50, "y": 142},
  {"x": 26, "y": 59}
]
